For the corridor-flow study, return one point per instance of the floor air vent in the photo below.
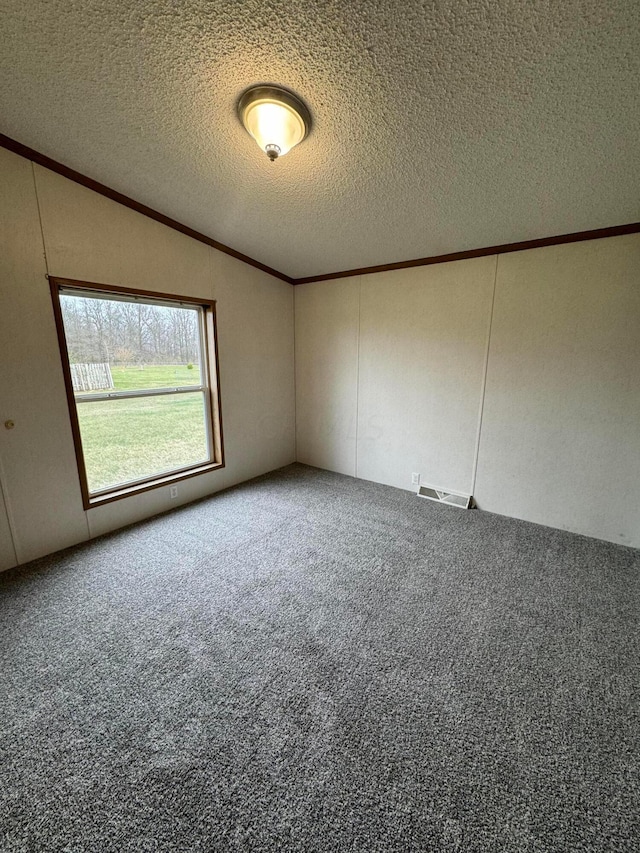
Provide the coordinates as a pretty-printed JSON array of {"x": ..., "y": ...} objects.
[{"x": 442, "y": 497}]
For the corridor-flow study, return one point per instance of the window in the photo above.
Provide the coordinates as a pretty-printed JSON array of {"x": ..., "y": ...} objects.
[{"x": 142, "y": 384}]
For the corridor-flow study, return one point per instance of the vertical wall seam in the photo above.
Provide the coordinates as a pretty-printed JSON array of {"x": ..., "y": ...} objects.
[
  {"x": 35, "y": 190},
  {"x": 46, "y": 264},
  {"x": 357, "y": 423},
  {"x": 485, "y": 372},
  {"x": 295, "y": 380},
  {"x": 13, "y": 532}
]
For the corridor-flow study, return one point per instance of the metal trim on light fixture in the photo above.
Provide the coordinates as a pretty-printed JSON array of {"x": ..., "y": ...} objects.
[{"x": 276, "y": 95}]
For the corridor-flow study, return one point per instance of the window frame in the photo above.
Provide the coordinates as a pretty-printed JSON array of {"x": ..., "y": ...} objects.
[{"x": 209, "y": 387}]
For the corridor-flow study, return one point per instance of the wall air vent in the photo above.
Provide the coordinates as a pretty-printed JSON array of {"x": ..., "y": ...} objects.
[{"x": 446, "y": 497}]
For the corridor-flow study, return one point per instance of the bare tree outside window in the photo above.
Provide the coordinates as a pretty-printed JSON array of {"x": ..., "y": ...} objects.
[{"x": 138, "y": 369}]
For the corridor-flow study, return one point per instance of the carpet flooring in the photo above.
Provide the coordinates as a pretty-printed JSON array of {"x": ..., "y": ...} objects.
[{"x": 310, "y": 662}]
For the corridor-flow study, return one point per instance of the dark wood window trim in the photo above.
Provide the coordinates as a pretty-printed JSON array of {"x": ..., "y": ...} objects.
[{"x": 212, "y": 383}]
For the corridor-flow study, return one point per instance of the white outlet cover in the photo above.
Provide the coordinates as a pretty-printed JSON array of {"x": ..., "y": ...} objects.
[{"x": 415, "y": 479}]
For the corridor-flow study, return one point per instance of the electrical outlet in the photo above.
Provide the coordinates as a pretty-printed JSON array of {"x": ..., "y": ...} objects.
[
  {"x": 415, "y": 479},
  {"x": 173, "y": 492}
]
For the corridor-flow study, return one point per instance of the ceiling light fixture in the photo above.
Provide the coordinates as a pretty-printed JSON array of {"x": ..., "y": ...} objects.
[{"x": 276, "y": 118}]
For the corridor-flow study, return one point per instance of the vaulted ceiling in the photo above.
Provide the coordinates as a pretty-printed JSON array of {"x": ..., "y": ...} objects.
[{"x": 439, "y": 126}]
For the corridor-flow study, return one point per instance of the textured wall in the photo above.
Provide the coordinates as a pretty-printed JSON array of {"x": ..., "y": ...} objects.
[
  {"x": 390, "y": 371},
  {"x": 560, "y": 430},
  {"x": 423, "y": 340},
  {"x": 89, "y": 237},
  {"x": 560, "y": 440},
  {"x": 327, "y": 321},
  {"x": 438, "y": 126},
  {"x": 7, "y": 551},
  {"x": 37, "y": 458}
]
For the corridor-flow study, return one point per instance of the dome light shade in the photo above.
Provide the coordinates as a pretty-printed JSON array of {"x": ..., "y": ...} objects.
[{"x": 277, "y": 119}]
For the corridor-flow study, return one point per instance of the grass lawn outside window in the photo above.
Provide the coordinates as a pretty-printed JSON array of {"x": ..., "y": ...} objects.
[{"x": 136, "y": 422}]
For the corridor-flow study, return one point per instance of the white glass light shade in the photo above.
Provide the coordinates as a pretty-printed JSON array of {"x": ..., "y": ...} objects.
[{"x": 275, "y": 118}]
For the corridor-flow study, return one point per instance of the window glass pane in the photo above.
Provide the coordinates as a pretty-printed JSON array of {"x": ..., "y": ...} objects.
[
  {"x": 120, "y": 345},
  {"x": 132, "y": 438}
]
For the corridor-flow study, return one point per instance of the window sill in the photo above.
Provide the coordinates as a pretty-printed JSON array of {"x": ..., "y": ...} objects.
[{"x": 121, "y": 492}]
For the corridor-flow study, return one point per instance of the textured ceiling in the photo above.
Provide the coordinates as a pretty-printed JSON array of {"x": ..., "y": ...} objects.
[{"x": 439, "y": 126}]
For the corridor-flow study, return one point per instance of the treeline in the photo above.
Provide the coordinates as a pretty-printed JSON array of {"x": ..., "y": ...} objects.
[{"x": 106, "y": 330}]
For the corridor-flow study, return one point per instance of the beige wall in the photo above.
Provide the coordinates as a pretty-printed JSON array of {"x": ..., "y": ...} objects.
[
  {"x": 89, "y": 237},
  {"x": 554, "y": 434},
  {"x": 389, "y": 372},
  {"x": 7, "y": 551},
  {"x": 560, "y": 441},
  {"x": 423, "y": 341},
  {"x": 327, "y": 317},
  {"x": 512, "y": 377}
]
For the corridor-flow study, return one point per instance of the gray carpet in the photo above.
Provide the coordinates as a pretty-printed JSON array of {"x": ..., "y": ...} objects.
[{"x": 310, "y": 662}]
